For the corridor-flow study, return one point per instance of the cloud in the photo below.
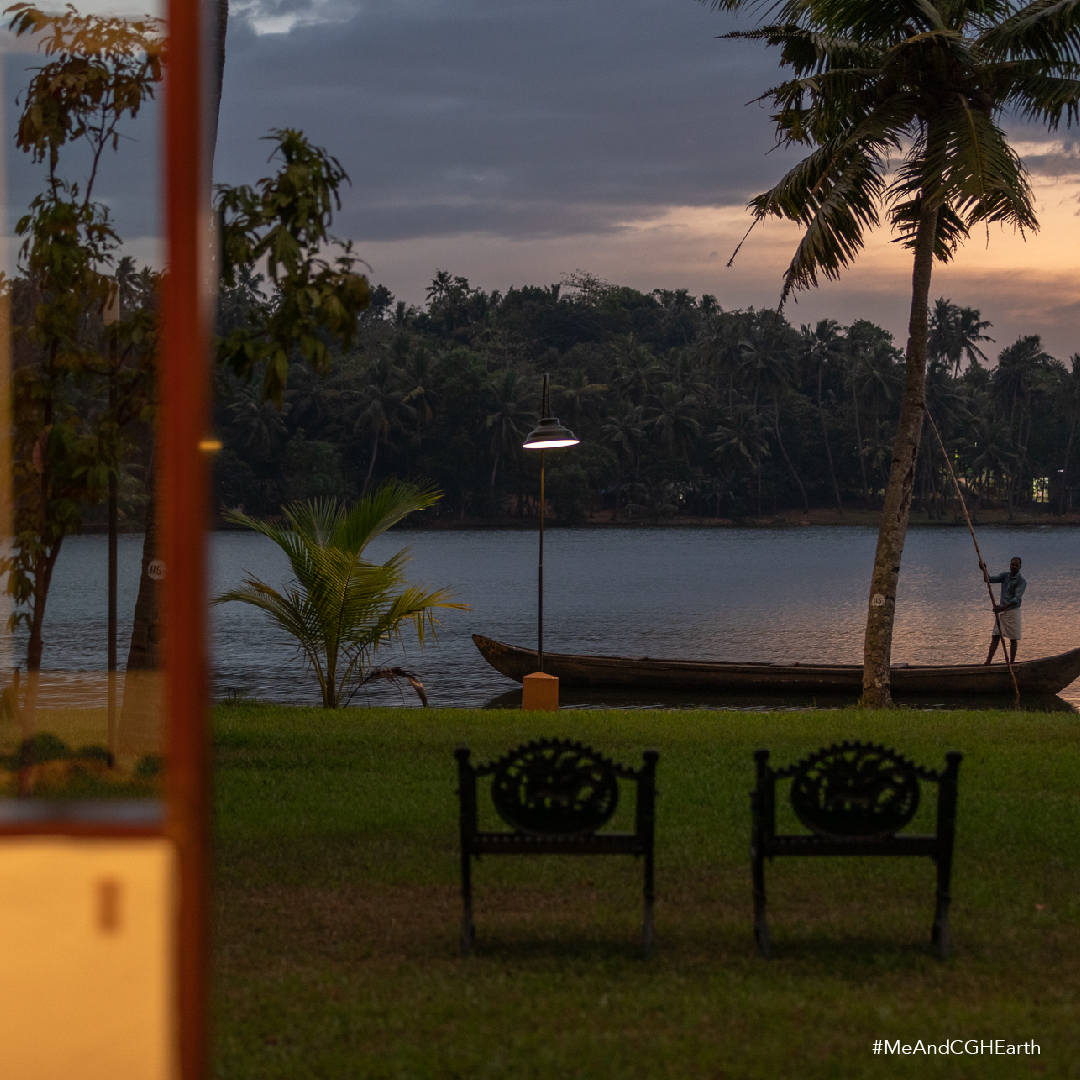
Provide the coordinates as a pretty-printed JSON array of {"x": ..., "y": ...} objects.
[
  {"x": 519, "y": 120},
  {"x": 514, "y": 142}
]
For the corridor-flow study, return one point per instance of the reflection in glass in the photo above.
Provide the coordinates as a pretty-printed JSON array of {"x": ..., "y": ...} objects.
[{"x": 80, "y": 718}]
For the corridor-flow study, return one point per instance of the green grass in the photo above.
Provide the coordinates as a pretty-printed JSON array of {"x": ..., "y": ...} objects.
[{"x": 338, "y": 908}]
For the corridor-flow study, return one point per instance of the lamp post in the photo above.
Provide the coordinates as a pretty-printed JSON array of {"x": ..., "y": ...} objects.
[{"x": 549, "y": 434}]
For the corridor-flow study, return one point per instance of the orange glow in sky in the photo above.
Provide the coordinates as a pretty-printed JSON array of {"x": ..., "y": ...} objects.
[{"x": 1024, "y": 286}]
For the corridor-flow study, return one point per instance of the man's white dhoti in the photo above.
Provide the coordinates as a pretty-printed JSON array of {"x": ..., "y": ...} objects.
[{"x": 1010, "y": 624}]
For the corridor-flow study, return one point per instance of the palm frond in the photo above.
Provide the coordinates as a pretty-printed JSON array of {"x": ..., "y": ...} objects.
[
  {"x": 380, "y": 510},
  {"x": 951, "y": 230},
  {"x": 341, "y": 606},
  {"x": 806, "y": 51},
  {"x": 1044, "y": 29},
  {"x": 834, "y": 193},
  {"x": 1034, "y": 94}
]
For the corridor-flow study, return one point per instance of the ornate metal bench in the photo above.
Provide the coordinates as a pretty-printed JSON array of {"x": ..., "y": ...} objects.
[
  {"x": 555, "y": 794},
  {"x": 854, "y": 798}
]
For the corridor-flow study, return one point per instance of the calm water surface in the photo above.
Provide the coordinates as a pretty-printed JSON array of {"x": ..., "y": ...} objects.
[{"x": 715, "y": 594}]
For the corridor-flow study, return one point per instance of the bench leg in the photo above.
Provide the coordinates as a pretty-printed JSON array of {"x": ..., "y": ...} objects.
[
  {"x": 648, "y": 932},
  {"x": 939, "y": 935},
  {"x": 761, "y": 927},
  {"x": 468, "y": 931}
]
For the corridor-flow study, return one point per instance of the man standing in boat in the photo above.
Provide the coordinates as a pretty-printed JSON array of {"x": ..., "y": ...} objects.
[{"x": 1008, "y": 611}]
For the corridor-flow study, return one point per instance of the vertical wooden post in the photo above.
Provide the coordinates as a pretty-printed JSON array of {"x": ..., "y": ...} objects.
[{"x": 182, "y": 488}]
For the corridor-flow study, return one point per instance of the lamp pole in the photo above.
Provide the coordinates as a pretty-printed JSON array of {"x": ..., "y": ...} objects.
[
  {"x": 540, "y": 574},
  {"x": 549, "y": 434}
]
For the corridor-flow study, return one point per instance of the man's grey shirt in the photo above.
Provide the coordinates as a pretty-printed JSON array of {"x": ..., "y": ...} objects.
[{"x": 1012, "y": 588}]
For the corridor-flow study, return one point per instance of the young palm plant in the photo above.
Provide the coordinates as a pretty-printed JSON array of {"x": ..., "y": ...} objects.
[
  {"x": 900, "y": 104},
  {"x": 342, "y": 607}
]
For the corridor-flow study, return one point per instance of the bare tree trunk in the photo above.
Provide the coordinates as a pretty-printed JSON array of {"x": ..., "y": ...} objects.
[
  {"x": 43, "y": 570},
  {"x": 147, "y": 641},
  {"x": 881, "y": 613},
  {"x": 140, "y": 729}
]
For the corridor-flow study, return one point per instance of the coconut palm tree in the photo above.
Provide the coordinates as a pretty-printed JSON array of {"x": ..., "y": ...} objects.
[
  {"x": 955, "y": 332},
  {"x": 823, "y": 345},
  {"x": 741, "y": 436},
  {"x": 341, "y": 607},
  {"x": 626, "y": 429},
  {"x": 1067, "y": 401},
  {"x": 510, "y": 392},
  {"x": 899, "y": 104},
  {"x": 766, "y": 362},
  {"x": 1023, "y": 376}
]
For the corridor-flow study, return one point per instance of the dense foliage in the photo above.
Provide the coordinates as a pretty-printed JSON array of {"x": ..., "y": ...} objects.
[{"x": 683, "y": 408}]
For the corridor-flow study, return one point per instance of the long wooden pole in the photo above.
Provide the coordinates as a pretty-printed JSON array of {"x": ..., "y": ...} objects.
[{"x": 982, "y": 565}]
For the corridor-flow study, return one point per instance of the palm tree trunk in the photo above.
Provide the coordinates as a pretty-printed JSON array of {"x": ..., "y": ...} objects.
[
  {"x": 371, "y": 467},
  {"x": 881, "y": 612},
  {"x": 783, "y": 450},
  {"x": 931, "y": 478},
  {"x": 858, "y": 440},
  {"x": 1065, "y": 469},
  {"x": 828, "y": 449}
]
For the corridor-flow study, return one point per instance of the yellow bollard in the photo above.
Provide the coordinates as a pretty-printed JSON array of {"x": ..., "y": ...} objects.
[{"x": 540, "y": 691}]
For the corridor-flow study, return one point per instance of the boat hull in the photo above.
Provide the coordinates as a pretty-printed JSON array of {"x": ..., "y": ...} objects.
[{"x": 1048, "y": 675}]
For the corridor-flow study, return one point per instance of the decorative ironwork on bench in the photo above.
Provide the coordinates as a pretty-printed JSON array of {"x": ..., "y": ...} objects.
[
  {"x": 555, "y": 794},
  {"x": 855, "y": 790},
  {"x": 855, "y": 798},
  {"x": 555, "y": 787}
]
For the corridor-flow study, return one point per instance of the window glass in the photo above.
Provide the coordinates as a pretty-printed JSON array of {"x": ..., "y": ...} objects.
[{"x": 80, "y": 710}]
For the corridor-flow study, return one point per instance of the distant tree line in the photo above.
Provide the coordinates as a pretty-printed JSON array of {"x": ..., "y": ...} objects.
[{"x": 682, "y": 408}]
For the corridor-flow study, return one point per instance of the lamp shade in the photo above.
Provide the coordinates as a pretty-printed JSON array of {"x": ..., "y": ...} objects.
[{"x": 549, "y": 434}]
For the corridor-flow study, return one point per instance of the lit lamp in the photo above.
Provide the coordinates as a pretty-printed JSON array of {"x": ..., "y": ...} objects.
[{"x": 540, "y": 691}]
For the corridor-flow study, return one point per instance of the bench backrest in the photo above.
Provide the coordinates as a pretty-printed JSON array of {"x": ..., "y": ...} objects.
[
  {"x": 556, "y": 788},
  {"x": 854, "y": 791}
]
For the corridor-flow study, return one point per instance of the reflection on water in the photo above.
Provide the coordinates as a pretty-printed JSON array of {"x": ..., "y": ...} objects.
[{"x": 716, "y": 594}]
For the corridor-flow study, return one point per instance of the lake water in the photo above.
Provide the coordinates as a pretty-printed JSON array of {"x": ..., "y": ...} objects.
[{"x": 718, "y": 594}]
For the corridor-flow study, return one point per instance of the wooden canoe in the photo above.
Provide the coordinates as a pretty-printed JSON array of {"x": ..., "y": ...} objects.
[{"x": 1048, "y": 675}]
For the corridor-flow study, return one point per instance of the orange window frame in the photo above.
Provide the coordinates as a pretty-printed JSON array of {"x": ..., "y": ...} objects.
[
  {"x": 183, "y": 492},
  {"x": 184, "y": 479}
]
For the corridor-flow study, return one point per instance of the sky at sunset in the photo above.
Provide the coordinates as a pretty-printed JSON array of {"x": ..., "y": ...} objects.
[{"x": 513, "y": 143}]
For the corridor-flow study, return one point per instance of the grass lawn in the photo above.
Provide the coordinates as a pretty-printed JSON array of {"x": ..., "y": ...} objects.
[{"x": 338, "y": 908}]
